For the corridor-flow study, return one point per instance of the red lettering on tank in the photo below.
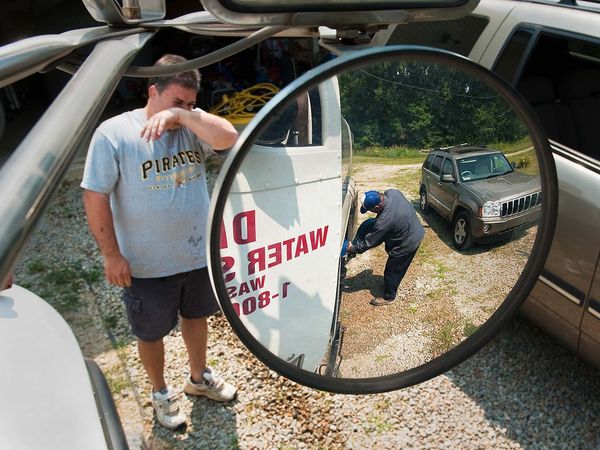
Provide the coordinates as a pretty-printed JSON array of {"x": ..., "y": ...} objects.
[
  {"x": 301, "y": 245},
  {"x": 288, "y": 248},
  {"x": 256, "y": 257},
  {"x": 318, "y": 237},
  {"x": 227, "y": 263},
  {"x": 257, "y": 283},
  {"x": 244, "y": 227},
  {"x": 223, "y": 241},
  {"x": 244, "y": 289},
  {"x": 274, "y": 254}
]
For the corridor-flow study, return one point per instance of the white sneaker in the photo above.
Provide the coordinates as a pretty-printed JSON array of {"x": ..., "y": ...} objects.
[
  {"x": 213, "y": 387},
  {"x": 166, "y": 405}
]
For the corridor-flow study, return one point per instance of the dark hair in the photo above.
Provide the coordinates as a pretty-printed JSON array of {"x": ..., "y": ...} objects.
[{"x": 189, "y": 79}]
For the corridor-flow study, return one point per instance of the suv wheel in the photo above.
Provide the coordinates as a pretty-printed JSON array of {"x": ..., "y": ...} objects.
[
  {"x": 423, "y": 203},
  {"x": 461, "y": 231}
]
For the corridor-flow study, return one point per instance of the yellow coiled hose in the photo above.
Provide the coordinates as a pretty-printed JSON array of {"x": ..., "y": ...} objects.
[{"x": 240, "y": 107}]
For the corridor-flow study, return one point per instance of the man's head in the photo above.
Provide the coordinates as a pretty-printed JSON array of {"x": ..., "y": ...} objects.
[
  {"x": 173, "y": 91},
  {"x": 372, "y": 201}
]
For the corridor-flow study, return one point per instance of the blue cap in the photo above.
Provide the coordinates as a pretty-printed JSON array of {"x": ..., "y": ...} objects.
[{"x": 370, "y": 200}]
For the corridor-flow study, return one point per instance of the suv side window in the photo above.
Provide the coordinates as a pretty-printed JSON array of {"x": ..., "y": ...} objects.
[
  {"x": 427, "y": 164},
  {"x": 560, "y": 78},
  {"x": 457, "y": 35},
  {"x": 447, "y": 168},
  {"x": 437, "y": 164},
  {"x": 508, "y": 62}
]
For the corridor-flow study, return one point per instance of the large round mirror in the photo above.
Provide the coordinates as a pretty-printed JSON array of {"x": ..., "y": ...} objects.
[{"x": 381, "y": 219}]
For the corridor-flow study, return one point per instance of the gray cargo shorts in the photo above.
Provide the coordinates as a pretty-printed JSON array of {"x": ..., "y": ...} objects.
[{"x": 155, "y": 304}]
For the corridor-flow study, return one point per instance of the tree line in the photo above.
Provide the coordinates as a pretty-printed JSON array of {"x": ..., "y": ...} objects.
[{"x": 423, "y": 105}]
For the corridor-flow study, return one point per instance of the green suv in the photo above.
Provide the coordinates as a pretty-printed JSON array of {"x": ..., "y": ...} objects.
[{"x": 478, "y": 191}]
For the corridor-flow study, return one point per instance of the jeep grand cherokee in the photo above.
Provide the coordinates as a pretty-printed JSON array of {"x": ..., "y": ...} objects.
[{"x": 478, "y": 191}]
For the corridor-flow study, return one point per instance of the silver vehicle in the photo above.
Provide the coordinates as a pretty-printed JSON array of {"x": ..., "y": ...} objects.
[
  {"x": 550, "y": 51},
  {"x": 478, "y": 191}
]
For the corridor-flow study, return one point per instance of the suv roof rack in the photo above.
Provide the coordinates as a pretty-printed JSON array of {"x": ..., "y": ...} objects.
[{"x": 460, "y": 148}]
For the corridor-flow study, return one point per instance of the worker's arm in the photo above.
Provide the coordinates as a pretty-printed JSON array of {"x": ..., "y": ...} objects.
[
  {"x": 100, "y": 221},
  {"x": 214, "y": 130},
  {"x": 373, "y": 238}
]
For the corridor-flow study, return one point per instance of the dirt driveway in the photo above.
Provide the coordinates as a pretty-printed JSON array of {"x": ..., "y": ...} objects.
[{"x": 445, "y": 296}]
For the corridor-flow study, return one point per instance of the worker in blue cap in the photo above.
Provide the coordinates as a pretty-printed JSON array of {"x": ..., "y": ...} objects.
[{"x": 397, "y": 225}]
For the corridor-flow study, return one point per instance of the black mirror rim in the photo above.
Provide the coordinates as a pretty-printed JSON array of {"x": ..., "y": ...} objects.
[{"x": 484, "y": 333}]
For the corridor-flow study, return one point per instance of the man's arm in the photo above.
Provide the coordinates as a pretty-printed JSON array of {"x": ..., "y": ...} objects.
[
  {"x": 100, "y": 221},
  {"x": 373, "y": 238},
  {"x": 214, "y": 130}
]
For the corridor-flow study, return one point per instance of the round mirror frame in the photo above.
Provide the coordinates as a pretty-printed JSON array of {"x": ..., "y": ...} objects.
[{"x": 485, "y": 332}]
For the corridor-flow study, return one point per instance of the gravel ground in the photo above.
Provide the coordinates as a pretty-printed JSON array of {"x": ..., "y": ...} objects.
[{"x": 522, "y": 391}]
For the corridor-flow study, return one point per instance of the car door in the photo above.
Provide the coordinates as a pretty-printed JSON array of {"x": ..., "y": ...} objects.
[
  {"x": 590, "y": 326},
  {"x": 436, "y": 195},
  {"x": 537, "y": 49},
  {"x": 447, "y": 190}
]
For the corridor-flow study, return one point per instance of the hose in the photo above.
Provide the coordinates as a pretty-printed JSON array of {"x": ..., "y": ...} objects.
[{"x": 242, "y": 106}]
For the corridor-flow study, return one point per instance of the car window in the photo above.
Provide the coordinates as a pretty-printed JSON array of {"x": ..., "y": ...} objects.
[
  {"x": 500, "y": 164},
  {"x": 455, "y": 35},
  {"x": 560, "y": 78},
  {"x": 427, "y": 163},
  {"x": 481, "y": 167},
  {"x": 436, "y": 165},
  {"x": 447, "y": 168},
  {"x": 508, "y": 62}
]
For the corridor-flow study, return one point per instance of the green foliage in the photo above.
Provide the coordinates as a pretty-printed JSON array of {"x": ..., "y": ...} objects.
[
  {"x": 422, "y": 105},
  {"x": 391, "y": 152},
  {"x": 469, "y": 329},
  {"x": 36, "y": 266}
]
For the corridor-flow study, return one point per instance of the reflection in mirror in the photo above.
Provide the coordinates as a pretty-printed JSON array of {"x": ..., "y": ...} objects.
[{"x": 452, "y": 220}]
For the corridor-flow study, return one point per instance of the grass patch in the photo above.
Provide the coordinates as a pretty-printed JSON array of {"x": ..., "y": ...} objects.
[
  {"x": 63, "y": 277},
  {"x": 357, "y": 159},
  {"x": 469, "y": 329},
  {"x": 36, "y": 266},
  {"x": 380, "y": 358},
  {"x": 110, "y": 321},
  {"x": 91, "y": 276},
  {"x": 441, "y": 270},
  {"x": 444, "y": 321},
  {"x": 377, "y": 424},
  {"x": 62, "y": 286},
  {"x": 444, "y": 338},
  {"x": 407, "y": 182},
  {"x": 512, "y": 147},
  {"x": 117, "y": 382},
  {"x": 526, "y": 162},
  {"x": 396, "y": 152}
]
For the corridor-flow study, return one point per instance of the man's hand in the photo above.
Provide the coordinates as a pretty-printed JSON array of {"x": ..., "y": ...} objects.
[
  {"x": 116, "y": 270},
  {"x": 159, "y": 122}
]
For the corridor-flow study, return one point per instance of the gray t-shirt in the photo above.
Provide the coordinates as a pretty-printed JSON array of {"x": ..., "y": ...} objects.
[{"x": 158, "y": 193}]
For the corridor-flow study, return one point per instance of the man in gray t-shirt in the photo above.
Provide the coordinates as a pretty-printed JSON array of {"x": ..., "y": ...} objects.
[{"x": 147, "y": 202}]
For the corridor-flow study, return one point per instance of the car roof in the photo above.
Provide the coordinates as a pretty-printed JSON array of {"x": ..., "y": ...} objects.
[{"x": 466, "y": 150}]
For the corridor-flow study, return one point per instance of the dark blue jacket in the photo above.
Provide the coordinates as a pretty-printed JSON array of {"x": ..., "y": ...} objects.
[{"x": 396, "y": 224}]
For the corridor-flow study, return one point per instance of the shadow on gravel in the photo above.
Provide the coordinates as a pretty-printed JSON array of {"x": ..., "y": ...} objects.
[
  {"x": 530, "y": 386},
  {"x": 365, "y": 280},
  {"x": 443, "y": 231}
]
